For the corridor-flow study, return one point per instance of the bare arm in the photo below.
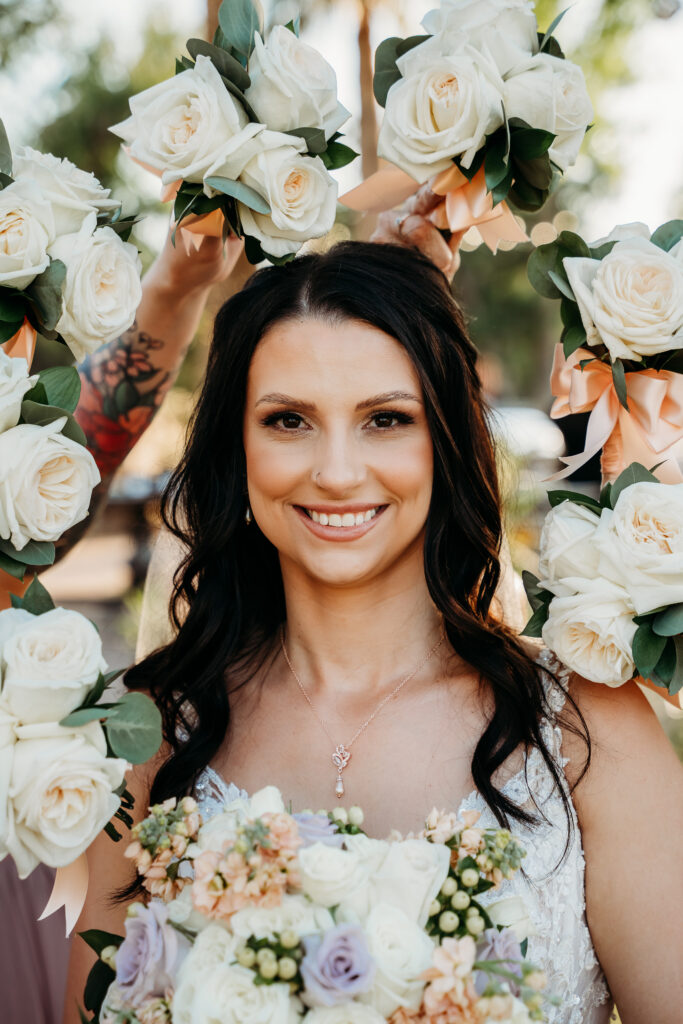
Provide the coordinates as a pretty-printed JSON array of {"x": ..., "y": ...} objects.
[{"x": 630, "y": 807}]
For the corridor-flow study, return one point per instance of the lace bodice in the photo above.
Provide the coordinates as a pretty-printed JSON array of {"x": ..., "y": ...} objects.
[{"x": 554, "y": 897}]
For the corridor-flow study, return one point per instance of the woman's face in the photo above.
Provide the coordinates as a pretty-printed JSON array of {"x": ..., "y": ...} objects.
[{"x": 335, "y": 433}]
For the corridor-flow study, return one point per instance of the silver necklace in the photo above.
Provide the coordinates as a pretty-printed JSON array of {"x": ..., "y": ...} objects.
[{"x": 342, "y": 752}]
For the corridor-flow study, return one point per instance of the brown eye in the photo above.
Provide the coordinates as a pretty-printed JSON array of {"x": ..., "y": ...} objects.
[
  {"x": 388, "y": 420},
  {"x": 290, "y": 420}
]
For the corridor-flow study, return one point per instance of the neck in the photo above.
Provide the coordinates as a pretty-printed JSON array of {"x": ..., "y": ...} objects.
[{"x": 359, "y": 639}]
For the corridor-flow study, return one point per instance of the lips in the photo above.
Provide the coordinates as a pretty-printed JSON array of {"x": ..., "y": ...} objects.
[
  {"x": 342, "y": 520},
  {"x": 346, "y": 524}
]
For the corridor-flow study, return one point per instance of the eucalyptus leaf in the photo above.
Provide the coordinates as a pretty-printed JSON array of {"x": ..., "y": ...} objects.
[
  {"x": 36, "y": 552},
  {"x": 619, "y": 378},
  {"x": 239, "y": 22},
  {"x": 501, "y": 191},
  {"x": 556, "y": 498},
  {"x": 241, "y": 98},
  {"x": 570, "y": 314},
  {"x": 496, "y": 164},
  {"x": 599, "y": 252},
  {"x": 668, "y": 235},
  {"x": 94, "y": 695},
  {"x": 669, "y": 622},
  {"x": 676, "y": 683},
  {"x": 537, "y": 172},
  {"x": 553, "y": 25},
  {"x": 647, "y": 649},
  {"x": 8, "y": 329},
  {"x": 294, "y": 25},
  {"x": 386, "y": 70},
  {"x": 5, "y": 152},
  {"x": 84, "y": 715},
  {"x": 314, "y": 138},
  {"x": 62, "y": 385},
  {"x": 223, "y": 61},
  {"x": 337, "y": 155},
  {"x": 525, "y": 197},
  {"x": 46, "y": 292},
  {"x": 134, "y": 728},
  {"x": 530, "y": 143},
  {"x": 550, "y": 46},
  {"x": 37, "y": 394},
  {"x": 410, "y": 43},
  {"x": 41, "y": 415},
  {"x": 573, "y": 339},
  {"x": 633, "y": 474},
  {"x": 543, "y": 260},
  {"x": 605, "y": 496},
  {"x": 572, "y": 244},
  {"x": 561, "y": 283},
  {"x": 666, "y": 666},
  {"x": 36, "y": 600},
  {"x": 534, "y": 626},
  {"x": 241, "y": 192},
  {"x": 13, "y": 568}
]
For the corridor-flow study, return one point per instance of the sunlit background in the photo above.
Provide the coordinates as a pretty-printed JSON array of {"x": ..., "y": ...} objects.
[{"x": 68, "y": 68}]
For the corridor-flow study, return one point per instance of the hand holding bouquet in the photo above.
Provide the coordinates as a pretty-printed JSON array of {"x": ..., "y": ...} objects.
[
  {"x": 621, "y": 352},
  {"x": 245, "y": 135},
  {"x": 609, "y": 601},
  {"x": 485, "y": 106},
  {"x": 267, "y": 916}
]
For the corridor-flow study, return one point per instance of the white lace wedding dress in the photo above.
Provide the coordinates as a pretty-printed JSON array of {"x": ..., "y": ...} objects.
[{"x": 553, "y": 896}]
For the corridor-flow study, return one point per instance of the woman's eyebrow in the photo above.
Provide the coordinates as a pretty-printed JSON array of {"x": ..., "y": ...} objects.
[{"x": 277, "y": 398}]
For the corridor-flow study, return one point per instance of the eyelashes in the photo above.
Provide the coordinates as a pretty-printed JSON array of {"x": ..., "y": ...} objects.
[{"x": 292, "y": 422}]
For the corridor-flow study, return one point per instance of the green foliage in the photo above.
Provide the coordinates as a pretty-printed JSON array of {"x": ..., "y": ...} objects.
[
  {"x": 669, "y": 622},
  {"x": 619, "y": 379},
  {"x": 239, "y": 21},
  {"x": 633, "y": 474},
  {"x": 99, "y": 980},
  {"x": 61, "y": 386},
  {"x": 36, "y": 552},
  {"x": 41, "y": 415},
  {"x": 222, "y": 60},
  {"x": 98, "y": 940},
  {"x": 134, "y": 728},
  {"x": 540, "y": 600},
  {"x": 5, "y": 152},
  {"x": 337, "y": 155},
  {"x": 386, "y": 69},
  {"x": 241, "y": 192},
  {"x": 315, "y": 140},
  {"x": 36, "y": 600},
  {"x": 45, "y": 293},
  {"x": 668, "y": 235},
  {"x": 647, "y": 649}
]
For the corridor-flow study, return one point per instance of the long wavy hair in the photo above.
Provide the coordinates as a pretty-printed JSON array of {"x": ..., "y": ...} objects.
[{"x": 228, "y": 599}]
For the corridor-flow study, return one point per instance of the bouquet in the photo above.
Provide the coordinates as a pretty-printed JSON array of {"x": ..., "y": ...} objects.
[
  {"x": 67, "y": 271},
  {"x": 63, "y": 755},
  {"x": 267, "y": 916},
  {"x": 621, "y": 352},
  {"x": 245, "y": 135},
  {"x": 609, "y": 600},
  {"x": 485, "y": 106}
]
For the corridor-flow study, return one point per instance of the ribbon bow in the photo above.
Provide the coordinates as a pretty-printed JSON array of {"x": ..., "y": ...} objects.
[
  {"x": 69, "y": 891},
  {"x": 22, "y": 344},
  {"x": 652, "y": 424}
]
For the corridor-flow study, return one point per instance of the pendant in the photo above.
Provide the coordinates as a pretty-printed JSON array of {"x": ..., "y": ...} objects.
[{"x": 340, "y": 759}]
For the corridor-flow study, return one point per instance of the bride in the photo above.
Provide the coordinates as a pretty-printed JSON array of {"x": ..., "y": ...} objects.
[{"x": 338, "y": 504}]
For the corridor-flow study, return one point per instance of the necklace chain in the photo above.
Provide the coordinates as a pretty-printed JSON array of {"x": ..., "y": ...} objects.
[{"x": 342, "y": 754}]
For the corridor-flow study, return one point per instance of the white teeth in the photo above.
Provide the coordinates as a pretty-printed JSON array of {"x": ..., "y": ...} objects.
[{"x": 341, "y": 521}]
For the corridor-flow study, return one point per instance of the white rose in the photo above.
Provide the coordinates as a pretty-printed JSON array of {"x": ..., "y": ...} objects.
[
  {"x": 46, "y": 481},
  {"x": 347, "y": 1013},
  {"x": 592, "y": 631},
  {"x": 507, "y": 29},
  {"x": 212, "y": 990},
  {"x": 641, "y": 544},
  {"x": 440, "y": 110},
  {"x": 49, "y": 664},
  {"x": 73, "y": 193},
  {"x": 512, "y": 913},
  {"x": 550, "y": 93},
  {"x": 14, "y": 383},
  {"x": 266, "y": 801},
  {"x": 61, "y": 793},
  {"x": 181, "y": 126},
  {"x": 624, "y": 232},
  {"x": 292, "y": 85},
  {"x": 632, "y": 300},
  {"x": 329, "y": 875},
  {"x": 359, "y": 899},
  {"x": 301, "y": 193},
  {"x": 568, "y": 546},
  {"x": 181, "y": 911},
  {"x": 102, "y": 288},
  {"x": 410, "y": 877},
  {"x": 27, "y": 228},
  {"x": 295, "y": 913},
  {"x": 402, "y": 951}
]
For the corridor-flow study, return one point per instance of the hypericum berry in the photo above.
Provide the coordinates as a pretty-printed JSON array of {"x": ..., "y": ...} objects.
[
  {"x": 475, "y": 925},
  {"x": 434, "y": 908},
  {"x": 246, "y": 957},
  {"x": 449, "y": 887},
  {"x": 469, "y": 878},
  {"x": 289, "y": 939},
  {"x": 287, "y": 968},
  {"x": 460, "y": 900},
  {"x": 448, "y": 922}
]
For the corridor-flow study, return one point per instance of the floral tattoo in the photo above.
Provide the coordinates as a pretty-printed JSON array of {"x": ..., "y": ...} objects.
[{"x": 120, "y": 391}]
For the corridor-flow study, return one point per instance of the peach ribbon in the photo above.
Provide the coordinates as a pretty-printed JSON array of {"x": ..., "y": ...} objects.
[
  {"x": 648, "y": 430},
  {"x": 466, "y": 204},
  {"x": 22, "y": 345},
  {"x": 69, "y": 891}
]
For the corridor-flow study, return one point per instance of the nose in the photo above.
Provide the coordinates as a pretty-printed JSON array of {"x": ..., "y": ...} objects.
[{"x": 339, "y": 466}]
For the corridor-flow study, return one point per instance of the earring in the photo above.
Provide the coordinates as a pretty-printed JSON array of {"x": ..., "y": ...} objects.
[{"x": 247, "y": 516}]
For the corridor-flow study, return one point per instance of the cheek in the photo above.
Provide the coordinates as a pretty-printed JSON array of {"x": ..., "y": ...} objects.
[
  {"x": 407, "y": 470},
  {"x": 273, "y": 469}
]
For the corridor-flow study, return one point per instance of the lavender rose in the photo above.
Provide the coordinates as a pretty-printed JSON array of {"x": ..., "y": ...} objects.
[
  {"x": 336, "y": 967},
  {"x": 499, "y": 945},
  {"x": 149, "y": 956},
  {"x": 317, "y": 828}
]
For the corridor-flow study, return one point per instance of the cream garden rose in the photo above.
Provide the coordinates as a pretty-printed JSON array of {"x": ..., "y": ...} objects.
[
  {"x": 213, "y": 990},
  {"x": 102, "y": 288},
  {"x": 329, "y": 875},
  {"x": 402, "y": 951},
  {"x": 48, "y": 664},
  {"x": 568, "y": 546},
  {"x": 592, "y": 631},
  {"x": 292, "y": 85},
  {"x": 46, "y": 482},
  {"x": 410, "y": 877},
  {"x": 302, "y": 195},
  {"x": 61, "y": 793},
  {"x": 14, "y": 383},
  {"x": 632, "y": 300},
  {"x": 512, "y": 913},
  {"x": 443, "y": 107},
  {"x": 506, "y": 28},
  {"x": 550, "y": 93},
  {"x": 27, "y": 228},
  {"x": 347, "y": 1013},
  {"x": 183, "y": 125},
  {"x": 295, "y": 913},
  {"x": 72, "y": 193},
  {"x": 640, "y": 544}
]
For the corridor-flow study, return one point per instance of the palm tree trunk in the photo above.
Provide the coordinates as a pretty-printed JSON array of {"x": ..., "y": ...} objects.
[
  {"x": 211, "y": 17},
  {"x": 368, "y": 131}
]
